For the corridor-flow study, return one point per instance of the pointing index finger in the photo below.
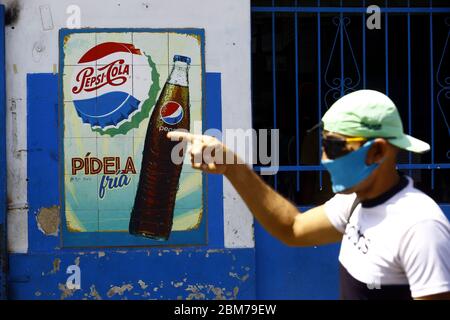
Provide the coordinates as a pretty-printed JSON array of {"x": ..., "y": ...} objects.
[{"x": 181, "y": 135}]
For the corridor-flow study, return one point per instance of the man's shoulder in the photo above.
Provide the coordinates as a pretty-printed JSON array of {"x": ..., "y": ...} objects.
[{"x": 414, "y": 205}]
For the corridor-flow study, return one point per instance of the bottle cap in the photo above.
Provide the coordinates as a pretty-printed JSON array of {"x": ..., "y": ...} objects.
[
  {"x": 108, "y": 109},
  {"x": 182, "y": 59}
]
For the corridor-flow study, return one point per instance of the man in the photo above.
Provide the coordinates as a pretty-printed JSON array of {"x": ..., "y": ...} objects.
[{"x": 395, "y": 239}]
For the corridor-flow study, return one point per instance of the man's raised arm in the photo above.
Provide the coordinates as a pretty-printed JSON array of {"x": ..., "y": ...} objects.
[{"x": 275, "y": 213}]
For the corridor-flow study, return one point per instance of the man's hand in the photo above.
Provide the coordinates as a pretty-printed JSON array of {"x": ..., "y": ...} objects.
[{"x": 206, "y": 152}]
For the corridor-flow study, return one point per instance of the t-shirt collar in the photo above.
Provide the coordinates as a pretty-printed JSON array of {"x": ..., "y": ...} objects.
[{"x": 382, "y": 198}]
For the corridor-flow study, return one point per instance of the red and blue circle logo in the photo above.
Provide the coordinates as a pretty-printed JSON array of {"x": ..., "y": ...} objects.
[
  {"x": 171, "y": 113},
  {"x": 107, "y": 89}
]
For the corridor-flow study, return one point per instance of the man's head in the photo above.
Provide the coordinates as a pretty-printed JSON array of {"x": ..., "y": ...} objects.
[{"x": 362, "y": 133}]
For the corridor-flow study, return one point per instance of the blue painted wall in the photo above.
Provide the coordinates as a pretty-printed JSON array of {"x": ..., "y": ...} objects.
[
  {"x": 284, "y": 272},
  {"x": 200, "y": 273}
]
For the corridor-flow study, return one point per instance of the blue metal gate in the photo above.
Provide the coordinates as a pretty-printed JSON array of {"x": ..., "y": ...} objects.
[{"x": 305, "y": 55}]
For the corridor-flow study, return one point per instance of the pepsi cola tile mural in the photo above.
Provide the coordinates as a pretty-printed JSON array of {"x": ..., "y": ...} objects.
[{"x": 113, "y": 82}]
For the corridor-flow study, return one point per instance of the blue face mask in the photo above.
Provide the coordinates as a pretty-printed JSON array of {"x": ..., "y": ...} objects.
[{"x": 349, "y": 170}]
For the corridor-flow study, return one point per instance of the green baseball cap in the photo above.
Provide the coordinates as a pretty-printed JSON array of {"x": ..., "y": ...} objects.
[{"x": 370, "y": 114}]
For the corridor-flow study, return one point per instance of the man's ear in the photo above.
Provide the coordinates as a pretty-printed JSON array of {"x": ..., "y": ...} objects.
[{"x": 377, "y": 151}]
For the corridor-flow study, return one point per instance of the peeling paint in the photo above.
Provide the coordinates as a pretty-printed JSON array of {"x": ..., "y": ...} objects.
[
  {"x": 177, "y": 284},
  {"x": 218, "y": 292},
  {"x": 65, "y": 292},
  {"x": 48, "y": 220},
  {"x": 198, "y": 292},
  {"x": 195, "y": 293},
  {"x": 142, "y": 285},
  {"x": 119, "y": 290},
  {"x": 235, "y": 275},
  {"x": 215, "y": 251},
  {"x": 211, "y": 251},
  {"x": 56, "y": 266},
  {"x": 235, "y": 292},
  {"x": 94, "y": 294}
]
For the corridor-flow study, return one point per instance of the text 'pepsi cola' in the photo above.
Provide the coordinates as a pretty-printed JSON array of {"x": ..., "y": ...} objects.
[{"x": 152, "y": 214}]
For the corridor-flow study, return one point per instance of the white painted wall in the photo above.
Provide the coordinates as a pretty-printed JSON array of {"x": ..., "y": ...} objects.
[{"x": 31, "y": 47}]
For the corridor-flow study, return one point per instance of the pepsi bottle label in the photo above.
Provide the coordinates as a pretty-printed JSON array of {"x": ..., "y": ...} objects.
[{"x": 171, "y": 113}]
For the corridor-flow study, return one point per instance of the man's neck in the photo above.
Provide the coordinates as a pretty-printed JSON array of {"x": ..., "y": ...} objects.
[{"x": 383, "y": 182}]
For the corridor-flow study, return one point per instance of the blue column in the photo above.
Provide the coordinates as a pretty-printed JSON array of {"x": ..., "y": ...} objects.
[
  {"x": 319, "y": 86},
  {"x": 297, "y": 124},
  {"x": 386, "y": 44},
  {"x": 341, "y": 30},
  {"x": 274, "y": 79},
  {"x": 432, "y": 94},
  {"x": 409, "y": 84},
  {"x": 364, "y": 45}
]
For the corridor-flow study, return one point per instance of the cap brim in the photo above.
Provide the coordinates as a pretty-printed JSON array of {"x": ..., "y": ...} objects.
[{"x": 409, "y": 143}]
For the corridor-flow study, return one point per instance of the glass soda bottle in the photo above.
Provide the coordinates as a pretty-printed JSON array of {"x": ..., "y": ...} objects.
[{"x": 152, "y": 214}]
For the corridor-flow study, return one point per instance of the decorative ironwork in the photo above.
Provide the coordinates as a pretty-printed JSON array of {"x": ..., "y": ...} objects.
[
  {"x": 339, "y": 86},
  {"x": 443, "y": 81}
]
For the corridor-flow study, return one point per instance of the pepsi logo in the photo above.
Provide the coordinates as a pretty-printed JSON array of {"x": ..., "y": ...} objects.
[
  {"x": 102, "y": 84},
  {"x": 171, "y": 113},
  {"x": 114, "y": 74}
]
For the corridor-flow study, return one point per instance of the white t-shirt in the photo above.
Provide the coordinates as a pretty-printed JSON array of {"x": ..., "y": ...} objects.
[{"x": 401, "y": 240}]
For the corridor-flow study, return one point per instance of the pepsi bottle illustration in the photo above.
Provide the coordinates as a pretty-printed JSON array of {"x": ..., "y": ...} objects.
[{"x": 152, "y": 214}]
